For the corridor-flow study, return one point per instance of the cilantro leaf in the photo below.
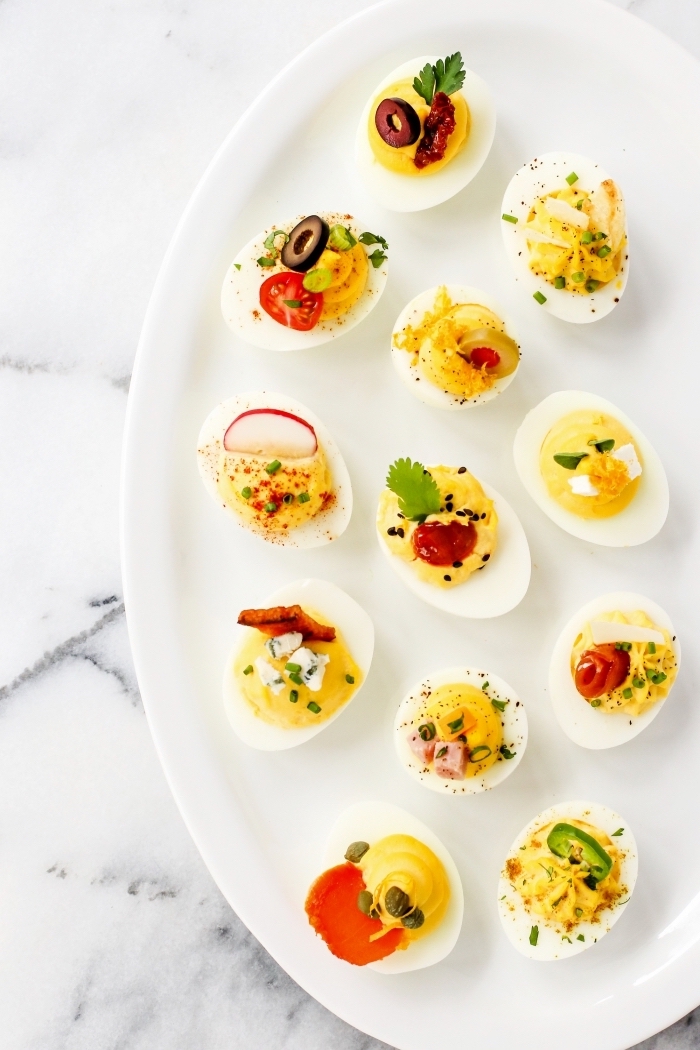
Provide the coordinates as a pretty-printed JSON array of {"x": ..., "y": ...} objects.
[
  {"x": 373, "y": 238},
  {"x": 417, "y": 490},
  {"x": 377, "y": 258},
  {"x": 449, "y": 75},
  {"x": 424, "y": 83}
]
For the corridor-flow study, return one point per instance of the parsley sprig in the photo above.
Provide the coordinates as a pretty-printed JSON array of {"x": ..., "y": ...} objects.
[
  {"x": 417, "y": 490},
  {"x": 378, "y": 256},
  {"x": 447, "y": 76}
]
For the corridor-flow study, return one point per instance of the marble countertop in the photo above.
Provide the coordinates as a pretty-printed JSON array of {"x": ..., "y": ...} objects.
[{"x": 113, "y": 932}]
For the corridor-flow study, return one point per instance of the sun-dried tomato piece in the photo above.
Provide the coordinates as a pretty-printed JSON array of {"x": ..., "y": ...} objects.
[
  {"x": 284, "y": 619},
  {"x": 439, "y": 125}
]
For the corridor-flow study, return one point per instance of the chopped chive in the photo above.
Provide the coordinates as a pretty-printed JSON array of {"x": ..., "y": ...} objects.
[
  {"x": 237, "y": 265},
  {"x": 560, "y": 282},
  {"x": 651, "y": 647},
  {"x": 295, "y": 677},
  {"x": 248, "y": 669},
  {"x": 270, "y": 508},
  {"x": 477, "y": 750},
  {"x": 264, "y": 261},
  {"x": 273, "y": 467},
  {"x": 578, "y": 912},
  {"x": 569, "y": 460},
  {"x": 540, "y": 298},
  {"x": 619, "y": 831},
  {"x": 292, "y": 667},
  {"x": 349, "y": 679},
  {"x": 600, "y": 236},
  {"x": 314, "y": 708},
  {"x": 603, "y": 446},
  {"x": 441, "y": 752},
  {"x": 534, "y": 934},
  {"x": 507, "y": 754},
  {"x": 656, "y": 677},
  {"x": 625, "y": 646},
  {"x": 293, "y": 304},
  {"x": 579, "y": 204},
  {"x": 303, "y": 497},
  {"x": 288, "y": 498},
  {"x": 580, "y": 937},
  {"x": 293, "y": 696},
  {"x": 627, "y": 693},
  {"x": 457, "y": 724},
  {"x": 595, "y": 703},
  {"x": 592, "y": 285},
  {"x": 605, "y": 250},
  {"x": 500, "y": 705},
  {"x": 246, "y": 493},
  {"x": 572, "y": 178},
  {"x": 586, "y": 237},
  {"x": 485, "y": 685},
  {"x": 578, "y": 276},
  {"x": 270, "y": 239},
  {"x": 638, "y": 683},
  {"x": 508, "y": 218}
]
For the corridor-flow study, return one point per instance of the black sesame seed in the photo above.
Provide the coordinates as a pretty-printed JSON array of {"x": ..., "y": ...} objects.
[
  {"x": 457, "y": 564},
  {"x": 485, "y": 557},
  {"x": 461, "y": 513},
  {"x": 448, "y": 578},
  {"x": 462, "y": 470},
  {"x": 391, "y": 531},
  {"x": 449, "y": 496},
  {"x": 468, "y": 512},
  {"x": 475, "y": 517},
  {"x": 400, "y": 532},
  {"x": 448, "y": 506},
  {"x": 483, "y": 515}
]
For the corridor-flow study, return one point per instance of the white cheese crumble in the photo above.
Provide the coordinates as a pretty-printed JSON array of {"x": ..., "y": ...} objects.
[
  {"x": 313, "y": 667},
  {"x": 283, "y": 644},
  {"x": 627, "y": 454},
  {"x": 269, "y": 675},
  {"x": 581, "y": 485}
]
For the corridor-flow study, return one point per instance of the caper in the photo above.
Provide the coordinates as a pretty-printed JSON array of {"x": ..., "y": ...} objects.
[
  {"x": 413, "y": 921},
  {"x": 356, "y": 851},
  {"x": 397, "y": 902},
  {"x": 364, "y": 902}
]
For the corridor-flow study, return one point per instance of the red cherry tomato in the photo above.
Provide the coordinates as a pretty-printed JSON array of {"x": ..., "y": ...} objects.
[
  {"x": 443, "y": 544},
  {"x": 601, "y": 670},
  {"x": 484, "y": 355},
  {"x": 278, "y": 291}
]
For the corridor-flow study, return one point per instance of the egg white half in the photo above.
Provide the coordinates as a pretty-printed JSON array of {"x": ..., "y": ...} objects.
[
  {"x": 240, "y": 295},
  {"x": 413, "y": 377},
  {"x": 337, "y": 609},
  {"x": 539, "y": 177},
  {"x": 493, "y": 591},
  {"x": 406, "y": 193},
  {"x": 326, "y": 526},
  {"x": 372, "y": 821},
  {"x": 585, "y": 725},
  {"x": 513, "y": 720},
  {"x": 517, "y": 921},
  {"x": 639, "y": 521}
]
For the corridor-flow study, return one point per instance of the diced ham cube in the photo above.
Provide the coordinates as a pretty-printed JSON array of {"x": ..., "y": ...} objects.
[
  {"x": 450, "y": 760},
  {"x": 425, "y": 749}
]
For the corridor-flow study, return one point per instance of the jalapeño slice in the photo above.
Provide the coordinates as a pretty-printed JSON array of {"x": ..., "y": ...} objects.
[{"x": 565, "y": 840}]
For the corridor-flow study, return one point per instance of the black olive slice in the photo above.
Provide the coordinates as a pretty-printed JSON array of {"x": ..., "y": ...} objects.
[
  {"x": 397, "y": 122},
  {"x": 306, "y": 243}
]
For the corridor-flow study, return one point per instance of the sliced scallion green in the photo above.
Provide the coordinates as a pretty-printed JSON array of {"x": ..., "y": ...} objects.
[
  {"x": 293, "y": 696},
  {"x": 270, "y": 507},
  {"x": 303, "y": 497},
  {"x": 651, "y": 647},
  {"x": 292, "y": 667},
  {"x": 604, "y": 250},
  {"x": 273, "y": 467},
  {"x": 586, "y": 237},
  {"x": 572, "y": 178},
  {"x": 313, "y": 707},
  {"x": 248, "y": 669},
  {"x": 627, "y": 693},
  {"x": 534, "y": 934},
  {"x": 560, "y": 282},
  {"x": 578, "y": 276},
  {"x": 295, "y": 677},
  {"x": 592, "y": 285},
  {"x": 509, "y": 218},
  {"x": 595, "y": 703},
  {"x": 538, "y": 297},
  {"x": 247, "y": 492},
  {"x": 349, "y": 679}
]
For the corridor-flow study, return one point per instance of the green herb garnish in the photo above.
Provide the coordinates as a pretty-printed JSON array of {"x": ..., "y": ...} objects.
[
  {"x": 373, "y": 238},
  {"x": 237, "y": 265},
  {"x": 508, "y": 218},
  {"x": 273, "y": 467},
  {"x": 500, "y": 705},
  {"x": 303, "y": 497},
  {"x": 578, "y": 912},
  {"x": 603, "y": 446},
  {"x": 596, "y": 702},
  {"x": 292, "y": 667},
  {"x": 377, "y": 258},
  {"x": 270, "y": 239},
  {"x": 651, "y": 647},
  {"x": 247, "y": 492},
  {"x": 569, "y": 460},
  {"x": 293, "y": 304},
  {"x": 295, "y": 677},
  {"x": 317, "y": 280},
  {"x": 592, "y": 285},
  {"x": 619, "y": 831},
  {"x": 349, "y": 679},
  {"x": 248, "y": 669},
  {"x": 293, "y": 696},
  {"x": 426, "y": 731},
  {"x": 627, "y": 693},
  {"x": 625, "y": 646},
  {"x": 580, "y": 937},
  {"x": 447, "y": 76},
  {"x": 579, "y": 205},
  {"x": 540, "y": 298},
  {"x": 534, "y": 934},
  {"x": 441, "y": 752},
  {"x": 270, "y": 507},
  {"x": 605, "y": 250},
  {"x": 586, "y": 237},
  {"x": 578, "y": 276},
  {"x": 485, "y": 685},
  {"x": 265, "y": 260},
  {"x": 417, "y": 490},
  {"x": 572, "y": 178},
  {"x": 638, "y": 683},
  {"x": 314, "y": 708},
  {"x": 560, "y": 282},
  {"x": 655, "y": 677},
  {"x": 477, "y": 750},
  {"x": 341, "y": 239},
  {"x": 457, "y": 725},
  {"x": 506, "y": 752}
]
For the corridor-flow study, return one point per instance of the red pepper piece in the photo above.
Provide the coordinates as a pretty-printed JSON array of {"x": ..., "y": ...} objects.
[{"x": 439, "y": 125}]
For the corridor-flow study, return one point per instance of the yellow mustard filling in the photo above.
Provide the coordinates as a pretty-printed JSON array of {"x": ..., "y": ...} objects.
[
  {"x": 450, "y": 704},
  {"x": 645, "y": 661},
  {"x": 349, "y": 277},
  {"x": 403, "y": 862},
  {"x": 466, "y": 495},
  {"x": 281, "y": 709},
  {"x": 555, "y": 889},
  {"x": 609, "y": 476},
  {"x": 401, "y": 160}
]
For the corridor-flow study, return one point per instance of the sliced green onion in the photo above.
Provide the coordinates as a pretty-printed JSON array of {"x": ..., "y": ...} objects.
[
  {"x": 580, "y": 937},
  {"x": 572, "y": 178},
  {"x": 605, "y": 250},
  {"x": 441, "y": 752},
  {"x": 293, "y": 304},
  {"x": 314, "y": 708},
  {"x": 288, "y": 498},
  {"x": 651, "y": 647},
  {"x": 578, "y": 912},
  {"x": 560, "y": 282},
  {"x": 456, "y": 725},
  {"x": 540, "y": 298},
  {"x": 349, "y": 679},
  {"x": 248, "y": 669},
  {"x": 273, "y": 467},
  {"x": 303, "y": 497},
  {"x": 237, "y": 265},
  {"x": 426, "y": 731},
  {"x": 317, "y": 280},
  {"x": 586, "y": 237},
  {"x": 638, "y": 683},
  {"x": 656, "y": 677},
  {"x": 627, "y": 693},
  {"x": 373, "y": 238},
  {"x": 477, "y": 749},
  {"x": 509, "y": 218},
  {"x": 603, "y": 446},
  {"x": 595, "y": 703},
  {"x": 592, "y": 285},
  {"x": 625, "y": 646},
  {"x": 569, "y": 460},
  {"x": 293, "y": 696},
  {"x": 534, "y": 934},
  {"x": 295, "y": 677},
  {"x": 500, "y": 705},
  {"x": 619, "y": 831},
  {"x": 341, "y": 239},
  {"x": 270, "y": 239},
  {"x": 578, "y": 276},
  {"x": 377, "y": 258},
  {"x": 270, "y": 508},
  {"x": 246, "y": 493},
  {"x": 600, "y": 236},
  {"x": 485, "y": 685},
  {"x": 579, "y": 204},
  {"x": 292, "y": 667},
  {"x": 265, "y": 261}
]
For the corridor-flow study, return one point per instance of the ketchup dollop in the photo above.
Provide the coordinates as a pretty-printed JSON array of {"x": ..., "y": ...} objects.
[
  {"x": 333, "y": 912},
  {"x": 439, "y": 125},
  {"x": 443, "y": 544},
  {"x": 600, "y": 670}
]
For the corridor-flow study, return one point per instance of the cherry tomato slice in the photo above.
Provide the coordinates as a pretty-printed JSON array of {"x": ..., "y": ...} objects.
[
  {"x": 278, "y": 291},
  {"x": 442, "y": 544},
  {"x": 600, "y": 670},
  {"x": 484, "y": 355}
]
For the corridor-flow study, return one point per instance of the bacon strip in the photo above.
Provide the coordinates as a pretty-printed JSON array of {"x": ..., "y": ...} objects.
[{"x": 283, "y": 619}]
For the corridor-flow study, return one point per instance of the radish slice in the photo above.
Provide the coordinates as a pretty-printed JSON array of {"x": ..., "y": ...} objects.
[{"x": 271, "y": 432}]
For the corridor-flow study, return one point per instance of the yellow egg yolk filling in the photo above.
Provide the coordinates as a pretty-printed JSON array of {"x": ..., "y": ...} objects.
[
  {"x": 555, "y": 889},
  {"x": 401, "y": 160},
  {"x": 578, "y": 433},
  {"x": 466, "y": 495},
  {"x": 281, "y": 709},
  {"x": 447, "y": 705},
  {"x": 645, "y": 660},
  {"x": 402, "y": 861},
  {"x": 349, "y": 272}
]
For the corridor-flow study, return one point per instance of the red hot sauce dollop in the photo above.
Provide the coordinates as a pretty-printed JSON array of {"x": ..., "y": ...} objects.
[
  {"x": 444, "y": 544},
  {"x": 439, "y": 125}
]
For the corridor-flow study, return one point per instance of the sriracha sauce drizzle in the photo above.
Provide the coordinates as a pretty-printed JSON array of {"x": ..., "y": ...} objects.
[{"x": 443, "y": 544}]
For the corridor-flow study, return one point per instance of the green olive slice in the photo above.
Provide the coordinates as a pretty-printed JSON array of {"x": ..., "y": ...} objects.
[{"x": 505, "y": 347}]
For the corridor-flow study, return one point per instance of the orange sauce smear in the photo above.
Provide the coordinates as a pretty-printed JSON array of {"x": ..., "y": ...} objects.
[{"x": 332, "y": 909}]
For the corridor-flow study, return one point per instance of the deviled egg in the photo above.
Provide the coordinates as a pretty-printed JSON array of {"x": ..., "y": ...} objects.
[
  {"x": 460, "y": 731},
  {"x": 612, "y": 669},
  {"x": 391, "y": 897},
  {"x": 304, "y": 282},
  {"x": 591, "y": 470},
  {"x": 451, "y": 347},
  {"x": 298, "y": 662},
  {"x": 424, "y": 133},
  {"x": 272, "y": 464},
  {"x": 454, "y": 541},
  {"x": 567, "y": 879},
  {"x": 565, "y": 232}
]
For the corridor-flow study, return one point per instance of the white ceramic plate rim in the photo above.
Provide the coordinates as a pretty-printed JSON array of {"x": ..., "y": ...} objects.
[{"x": 149, "y": 547}]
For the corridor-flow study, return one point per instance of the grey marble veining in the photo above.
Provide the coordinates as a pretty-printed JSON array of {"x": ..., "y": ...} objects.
[{"x": 114, "y": 936}]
